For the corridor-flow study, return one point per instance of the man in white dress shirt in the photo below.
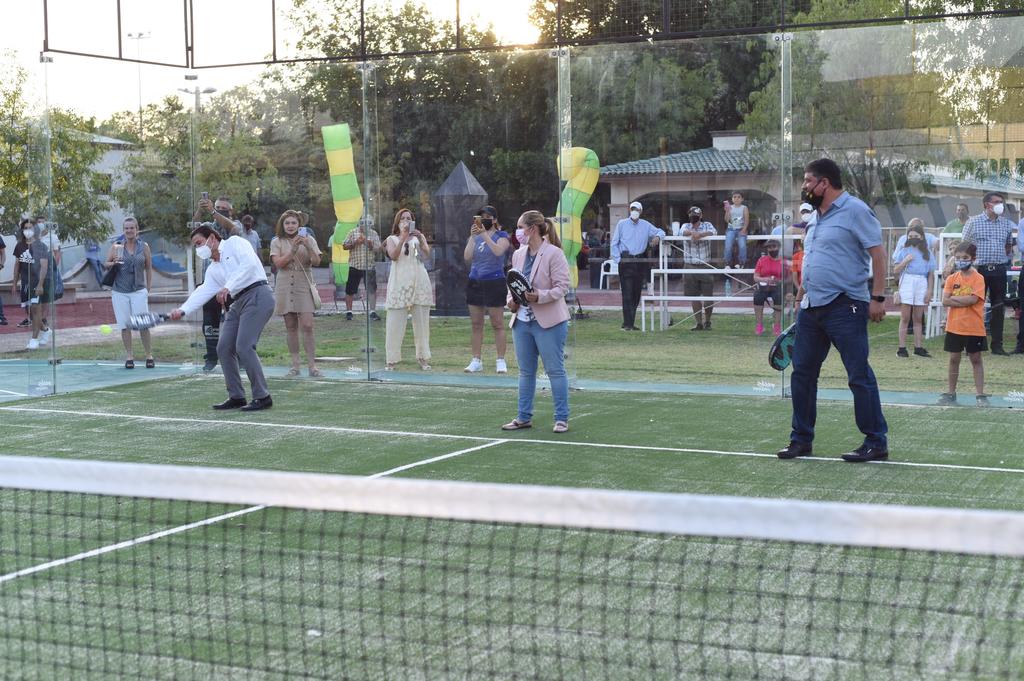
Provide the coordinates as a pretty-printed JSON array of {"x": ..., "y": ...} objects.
[{"x": 237, "y": 280}]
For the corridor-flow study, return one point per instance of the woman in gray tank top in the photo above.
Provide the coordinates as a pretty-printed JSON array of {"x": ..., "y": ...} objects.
[{"x": 131, "y": 287}]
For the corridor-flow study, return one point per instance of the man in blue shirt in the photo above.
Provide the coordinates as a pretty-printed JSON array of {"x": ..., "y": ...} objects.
[
  {"x": 836, "y": 303},
  {"x": 629, "y": 245}
]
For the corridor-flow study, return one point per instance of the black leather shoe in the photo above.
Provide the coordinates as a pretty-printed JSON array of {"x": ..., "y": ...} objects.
[
  {"x": 258, "y": 404},
  {"x": 231, "y": 403},
  {"x": 210, "y": 365},
  {"x": 1019, "y": 350},
  {"x": 864, "y": 453},
  {"x": 999, "y": 351},
  {"x": 795, "y": 449}
]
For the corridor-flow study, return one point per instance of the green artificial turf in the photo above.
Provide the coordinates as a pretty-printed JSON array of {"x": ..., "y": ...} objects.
[{"x": 275, "y": 594}]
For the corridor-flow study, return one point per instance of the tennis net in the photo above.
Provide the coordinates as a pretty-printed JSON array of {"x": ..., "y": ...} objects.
[{"x": 112, "y": 570}]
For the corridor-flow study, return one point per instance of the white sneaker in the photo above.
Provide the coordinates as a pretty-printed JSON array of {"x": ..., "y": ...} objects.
[
  {"x": 501, "y": 367},
  {"x": 475, "y": 366},
  {"x": 33, "y": 344},
  {"x": 45, "y": 336}
]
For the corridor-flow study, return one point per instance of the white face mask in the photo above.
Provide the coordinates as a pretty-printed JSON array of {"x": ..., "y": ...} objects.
[
  {"x": 634, "y": 214},
  {"x": 29, "y": 233},
  {"x": 520, "y": 235},
  {"x": 204, "y": 252},
  {"x": 998, "y": 209}
]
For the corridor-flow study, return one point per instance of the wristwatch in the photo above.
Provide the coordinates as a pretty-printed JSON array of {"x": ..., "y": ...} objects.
[{"x": 878, "y": 299}]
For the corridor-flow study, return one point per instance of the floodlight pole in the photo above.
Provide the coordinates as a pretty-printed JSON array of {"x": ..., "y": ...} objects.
[{"x": 138, "y": 37}]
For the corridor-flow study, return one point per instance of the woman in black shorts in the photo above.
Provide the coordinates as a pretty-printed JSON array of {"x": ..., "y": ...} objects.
[{"x": 485, "y": 252}]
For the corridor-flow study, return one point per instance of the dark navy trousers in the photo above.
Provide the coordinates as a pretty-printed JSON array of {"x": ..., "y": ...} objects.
[{"x": 844, "y": 324}]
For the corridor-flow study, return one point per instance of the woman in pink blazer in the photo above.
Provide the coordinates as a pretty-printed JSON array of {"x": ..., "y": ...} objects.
[{"x": 540, "y": 328}]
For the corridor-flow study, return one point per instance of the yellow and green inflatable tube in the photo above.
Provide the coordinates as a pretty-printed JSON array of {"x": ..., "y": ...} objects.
[
  {"x": 348, "y": 202},
  {"x": 579, "y": 168}
]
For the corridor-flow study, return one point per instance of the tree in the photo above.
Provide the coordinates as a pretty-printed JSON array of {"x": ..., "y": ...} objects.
[
  {"x": 47, "y": 165},
  {"x": 155, "y": 182}
]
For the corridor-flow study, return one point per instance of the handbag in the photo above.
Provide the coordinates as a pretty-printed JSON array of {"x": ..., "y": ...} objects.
[
  {"x": 110, "y": 276},
  {"x": 317, "y": 303}
]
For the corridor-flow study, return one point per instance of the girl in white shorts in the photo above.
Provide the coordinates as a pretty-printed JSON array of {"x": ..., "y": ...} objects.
[{"x": 914, "y": 265}]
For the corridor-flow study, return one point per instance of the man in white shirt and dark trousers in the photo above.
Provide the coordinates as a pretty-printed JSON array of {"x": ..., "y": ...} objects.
[
  {"x": 629, "y": 245},
  {"x": 237, "y": 280}
]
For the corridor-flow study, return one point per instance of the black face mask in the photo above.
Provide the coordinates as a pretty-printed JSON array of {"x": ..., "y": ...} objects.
[
  {"x": 773, "y": 254},
  {"x": 808, "y": 196},
  {"x": 487, "y": 223},
  {"x": 695, "y": 219}
]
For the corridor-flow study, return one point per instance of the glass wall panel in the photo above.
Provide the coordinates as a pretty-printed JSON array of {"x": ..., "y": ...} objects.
[
  {"x": 99, "y": 166},
  {"x": 457, "y": 133},
  {"x": 26, "y": 353},
  {"x": 667, "y": 124},
  {"x": 295, "y": 139},
  {"x": 923, "y": 118},
  {"x": 917, "y": 124}
]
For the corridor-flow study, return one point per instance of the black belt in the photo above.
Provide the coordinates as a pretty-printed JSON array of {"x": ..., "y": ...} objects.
[
  {"x": 249, "y": 288},
  {"x": 991, "y": 268}
]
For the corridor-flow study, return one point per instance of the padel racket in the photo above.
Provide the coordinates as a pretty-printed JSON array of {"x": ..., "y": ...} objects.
[
  {"x": 518, "y": 286},
  {"x": 781, "y": 354},
  {"x": 148, "y": 320}
]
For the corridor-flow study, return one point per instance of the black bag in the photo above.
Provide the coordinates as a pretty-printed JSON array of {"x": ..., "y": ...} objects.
[{"x": 110, "y": 276}]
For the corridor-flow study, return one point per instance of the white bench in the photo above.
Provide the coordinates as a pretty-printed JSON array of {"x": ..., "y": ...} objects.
[{"x": 667, "y": 298}]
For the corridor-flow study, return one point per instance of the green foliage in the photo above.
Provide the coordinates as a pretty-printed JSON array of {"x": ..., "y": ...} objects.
[
  {"x": 231, "y": 160},
  {"x": 49, "y": 156}
]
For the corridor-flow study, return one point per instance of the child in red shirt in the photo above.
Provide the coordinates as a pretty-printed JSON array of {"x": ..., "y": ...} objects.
[
  {"x": 964, "y": 295},
  {"x": 768, "y": 277}
]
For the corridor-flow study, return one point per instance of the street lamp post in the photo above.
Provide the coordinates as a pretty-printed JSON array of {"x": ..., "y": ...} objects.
[
  {"x": 194, "y": 149},
  {"x": 138, "y": 37}
]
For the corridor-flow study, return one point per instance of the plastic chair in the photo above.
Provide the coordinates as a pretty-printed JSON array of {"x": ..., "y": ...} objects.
[{"x": 609, "y": 268}]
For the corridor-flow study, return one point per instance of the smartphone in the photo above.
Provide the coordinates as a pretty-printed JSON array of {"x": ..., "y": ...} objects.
[
  {"x": 477, "y": 223},
  {"x": 206, "y": 196},
  {"x": 412, "y": 226}
]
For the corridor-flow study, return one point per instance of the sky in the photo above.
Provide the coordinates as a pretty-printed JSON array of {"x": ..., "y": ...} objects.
[{"x": 227, "y": 31}]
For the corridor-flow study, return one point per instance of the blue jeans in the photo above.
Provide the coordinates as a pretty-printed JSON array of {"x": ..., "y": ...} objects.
[
  {"x": 843, "y": 323},
  {"x": 731, "y": 236},
  {"x": 97, "y": 270},
  {"x": 532, "y": 340}
]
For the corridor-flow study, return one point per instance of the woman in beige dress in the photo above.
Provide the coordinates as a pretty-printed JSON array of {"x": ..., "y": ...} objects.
[
  {"x": 408, "y": 290},
  {"x": 294, "y": 255}
]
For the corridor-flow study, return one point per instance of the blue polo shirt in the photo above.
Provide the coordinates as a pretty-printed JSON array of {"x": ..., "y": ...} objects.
[
  {"x": 631, "y": 238},
  {"x": 836, "y": 258}
]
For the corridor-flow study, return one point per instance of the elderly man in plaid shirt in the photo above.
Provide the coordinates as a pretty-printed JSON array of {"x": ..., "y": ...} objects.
[
  {"x": 992, "y": 234},
  {"x": 362, "y": 244}
]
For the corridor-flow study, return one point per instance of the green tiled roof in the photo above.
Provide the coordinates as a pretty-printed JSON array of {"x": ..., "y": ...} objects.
[{"x": 708, "y": 160}]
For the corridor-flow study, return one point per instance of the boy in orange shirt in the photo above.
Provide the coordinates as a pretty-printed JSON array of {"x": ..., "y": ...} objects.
[{"x": 964, "y": 295}]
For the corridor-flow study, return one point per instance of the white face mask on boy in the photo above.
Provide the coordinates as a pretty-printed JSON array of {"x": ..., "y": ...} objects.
[
  {"x": 204, "y": 252},
  {"x": 634, "y": 214}
]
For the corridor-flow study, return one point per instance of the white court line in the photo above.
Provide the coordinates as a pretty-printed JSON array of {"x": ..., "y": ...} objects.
[
  {"x": 477, "y": 438},
  {"x": 124, "y": 545},
  {"x": 129, "y": 543},
  {"x": 11, "y": 392}
]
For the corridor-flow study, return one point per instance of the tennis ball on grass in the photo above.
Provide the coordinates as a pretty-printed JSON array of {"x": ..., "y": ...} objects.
[{"x": 105, "y": 329}]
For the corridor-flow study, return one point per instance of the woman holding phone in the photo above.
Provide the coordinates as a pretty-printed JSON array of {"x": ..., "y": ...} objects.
[
  {"x": 540, "y": 328},
  {"x": 485, "y": 253},
  {"x": 408, "y": 290}
]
